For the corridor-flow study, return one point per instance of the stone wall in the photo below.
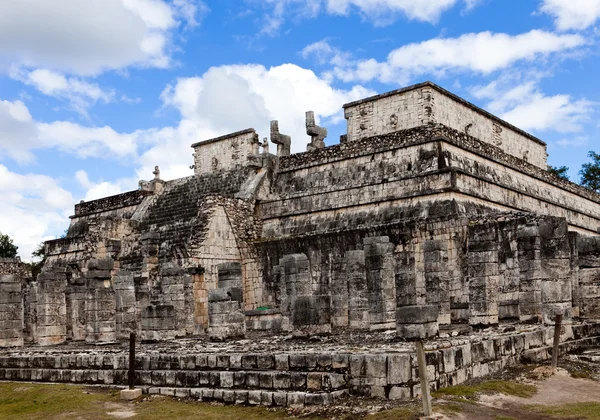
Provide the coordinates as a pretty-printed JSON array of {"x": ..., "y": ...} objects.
[
  {"x": 225, "y": 153},
  {"x": 428, "y": 103},
  {"x": 418, "y": 228},
  {"x": 420, "y": 165},
  {"x": 14, "y": 276},
  {"x": 297, "y": 377}
]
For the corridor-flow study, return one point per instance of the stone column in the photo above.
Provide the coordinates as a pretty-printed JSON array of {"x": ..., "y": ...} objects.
[
  {"x": 530, "y": 270},
  {"x": 100, "y": 302},
  {"x": 76, "y": 303},
  {"x": 51, "y": 306},
  {"x": 508, "y": 265},
  {"x": 414, "y": 319},
  {"x": 126, "y": 306},
  {"x": 437, "y": 281},
  {"x": 358, "y": 297},
  {"x": 556, "y": 270},
  {"x": 225, "y": 304},
  {"x": 11, "y": 310},
  {"x": 575, "y": 288},
  {"x": 30, "y": 303},
  {"x": 482, "y": 260},
  {"x": 381, "y": 283},
  {"x": 338, "y": 286},
  {"x": 310, "y": 312},
  {"x": 589, "y": 276}
]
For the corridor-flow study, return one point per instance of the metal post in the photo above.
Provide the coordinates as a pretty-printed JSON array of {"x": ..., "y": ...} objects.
[
  {"x": 557, "y": 327},
  {"x": 426, "y": 395},
  {"x": 132, "y": 360}
]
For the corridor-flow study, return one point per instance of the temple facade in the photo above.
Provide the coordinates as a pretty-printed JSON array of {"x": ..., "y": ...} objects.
[{"x": 429, "y": 214}]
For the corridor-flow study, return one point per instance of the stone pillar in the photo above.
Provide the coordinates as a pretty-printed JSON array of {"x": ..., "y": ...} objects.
[
  {"x": 100, "y": 302},
  {"x": 76, "y": 303},
  {"x": 358, "y": 295},
  {"x": 575, "y": 287},
  {"x": 589, "y": 276},
  {"x": 51, "y": 306},
  {"x": 508, "y": 266},
  {"x": 158, "y": 322},
  {"x": 414, "y": 320},
  {"x": 125, "y": 305},
  {"x": 338, "y": 286},
  {"x": 176, "y": 290},
  {"x": 30, "y": 302},
  {"x": 482, "y": 260},
  {"x": 225, "y": 316},
  {"x": 310, "y": 312},
  {"x": 200, "y": 293},
  {"x": 225, "y": 304},
  {"x": 381, "y": 282},
  {"x": 11, "y": 308},
  {"x": 556, "y": 270},
  {"x": 437, "y": 281},
  {"x": 530, "y": 270}
]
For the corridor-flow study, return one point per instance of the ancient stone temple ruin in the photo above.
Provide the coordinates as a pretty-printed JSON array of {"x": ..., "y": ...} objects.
[{"x": 430, "y": 215}]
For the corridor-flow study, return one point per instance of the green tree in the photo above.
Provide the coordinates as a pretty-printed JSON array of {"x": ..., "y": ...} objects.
[
  {"x": 7, "y": 248},
  {"x": 559, "y": 171},
  {"x": 39, "y": 258},
  {"x": 590, "y": 172}
]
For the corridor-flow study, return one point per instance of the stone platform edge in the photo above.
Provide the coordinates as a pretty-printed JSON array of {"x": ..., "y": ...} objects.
[{"x": 298, "y": 378}]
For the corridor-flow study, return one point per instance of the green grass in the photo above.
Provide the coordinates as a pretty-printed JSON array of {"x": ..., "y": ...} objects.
[
  {"x": 582, "y": 374},
  {"x": 28, "y": 401},
  {"x": 470, "y": 392},
  {"x": 404, "y": 413},
  {"x": 22, "y": 401},
  {"x": 449, "y": 409},
  {"x": 588, "y": 410}
]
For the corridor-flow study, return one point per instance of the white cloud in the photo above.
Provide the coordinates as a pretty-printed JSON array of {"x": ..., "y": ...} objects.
[
  {"x": 79, "y": 93},
  {"x": 525, "y": 106},
  {"x": 87, "y": 37},
  {"x": 379, "y": 12},
  {"x": 33, "y": 207},
  {"x": 100, "y": 189},
  {"x": 577, "y": 141},
  {"x": 21, "y": 135},
  {"x": 284, "y": 93},
  {"x": 572, "y": 14},
  {"x": 19, "y": 131},
  {"x": 482, "y": 53}
]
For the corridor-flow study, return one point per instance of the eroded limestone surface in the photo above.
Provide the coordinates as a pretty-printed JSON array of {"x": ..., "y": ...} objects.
[{"x": 430, "y": 214}]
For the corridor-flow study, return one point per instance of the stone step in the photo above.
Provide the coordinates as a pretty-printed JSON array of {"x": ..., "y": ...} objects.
[
  {"x": 238, "y": 380},
  {"x": 251, "y": 397}
]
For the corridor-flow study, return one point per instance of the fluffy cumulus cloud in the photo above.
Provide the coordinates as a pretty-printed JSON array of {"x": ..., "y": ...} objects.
[
  {"x": 284, "y": 93},
  {"x": 99, "y": 189},
  {"x": 39, "y": 206},
  {"x": 86, "y": 37},
  {"x": 525, "y": 106},
  {"x": 22, "y": 135},
  {"x": 482, "y": 53},
  {"x": 79, "y": 93},
  {"x": 572, "y": 14},
  {"x": 33, "y": 207}
]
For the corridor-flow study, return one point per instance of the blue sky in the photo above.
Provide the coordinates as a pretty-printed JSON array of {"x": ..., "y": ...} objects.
[{"x": 95, "y": 93}]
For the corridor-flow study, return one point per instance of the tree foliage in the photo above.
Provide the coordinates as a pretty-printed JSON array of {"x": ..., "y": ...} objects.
[
  {"x": 590, "y": 172},
  {"x": 39, "y": 258},
  {"x": 7, "y": 248},
  {"x": 559, "y": 171}
]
